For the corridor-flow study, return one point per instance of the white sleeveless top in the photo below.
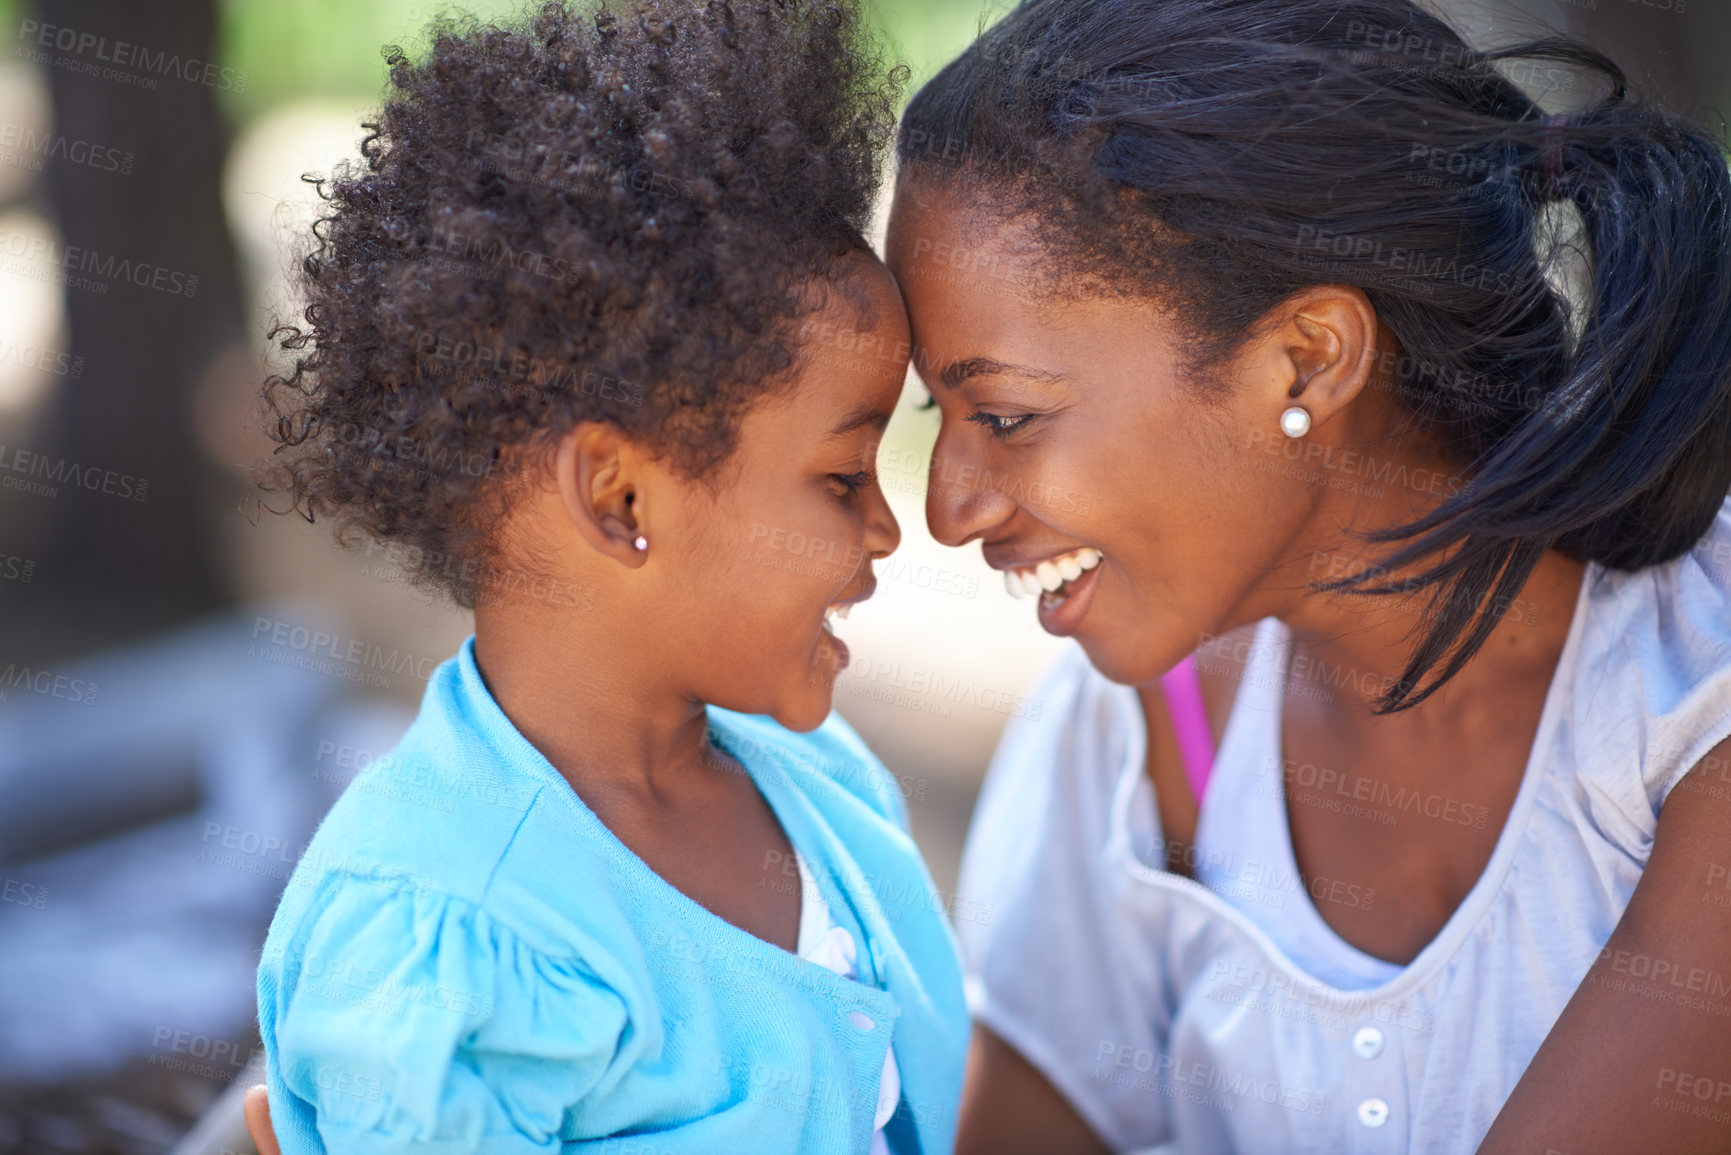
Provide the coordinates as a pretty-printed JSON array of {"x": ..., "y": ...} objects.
[
  {"x": 1243, "y": 845},
  {"x": 1223, "y": 1015}
]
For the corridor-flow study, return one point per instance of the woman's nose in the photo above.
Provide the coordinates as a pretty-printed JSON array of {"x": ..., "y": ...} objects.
[{"x": 962, "y": 502}]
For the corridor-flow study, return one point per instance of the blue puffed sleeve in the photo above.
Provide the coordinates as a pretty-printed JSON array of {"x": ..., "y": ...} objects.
[{"x": 411, "y": 1020}]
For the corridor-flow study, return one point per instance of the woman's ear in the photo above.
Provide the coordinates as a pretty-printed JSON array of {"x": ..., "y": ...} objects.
[
  {"x": 1327, "y": 347},
  {"x": 597, "y": 474}
]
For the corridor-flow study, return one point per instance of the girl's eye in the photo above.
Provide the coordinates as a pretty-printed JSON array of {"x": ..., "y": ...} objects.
[
  {"x": 998, "y": 426},
  {"x": 853, "y": 482}
]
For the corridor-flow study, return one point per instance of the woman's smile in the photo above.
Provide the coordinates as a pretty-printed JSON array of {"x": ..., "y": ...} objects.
[{"x": 1064, "y": 584}]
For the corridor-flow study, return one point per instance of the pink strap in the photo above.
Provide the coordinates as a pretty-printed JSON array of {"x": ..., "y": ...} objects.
[{"x": 1182, "y": 686}]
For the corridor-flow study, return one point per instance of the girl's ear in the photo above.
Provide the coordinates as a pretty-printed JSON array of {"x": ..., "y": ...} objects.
[{"x": 595, "y": 471}]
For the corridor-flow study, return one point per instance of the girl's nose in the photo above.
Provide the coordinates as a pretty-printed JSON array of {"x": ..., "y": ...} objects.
[{"x": 882, "y": 532}]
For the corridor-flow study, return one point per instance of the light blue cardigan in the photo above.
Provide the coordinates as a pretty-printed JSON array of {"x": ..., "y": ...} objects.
[{"x": 466, "y": 959}]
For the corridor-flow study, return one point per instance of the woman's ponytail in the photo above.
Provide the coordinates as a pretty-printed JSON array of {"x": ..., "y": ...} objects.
[{"x": 1648, "y": 396}]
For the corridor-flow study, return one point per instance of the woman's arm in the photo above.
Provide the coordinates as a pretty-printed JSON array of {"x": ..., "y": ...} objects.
[
  {"x": 1009, "y": 1108},
  {"x": 1640, "y": 1059}
]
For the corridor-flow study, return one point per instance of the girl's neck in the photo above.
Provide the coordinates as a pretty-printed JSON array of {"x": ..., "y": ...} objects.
[{"x": 594, "y": 706}]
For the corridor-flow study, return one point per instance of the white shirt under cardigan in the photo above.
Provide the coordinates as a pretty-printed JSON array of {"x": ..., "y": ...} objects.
[
  {"x": 825, "y": 942},
  {"x": 1224, "y": 1016}
]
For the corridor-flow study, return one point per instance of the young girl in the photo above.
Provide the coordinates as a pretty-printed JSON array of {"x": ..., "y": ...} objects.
[
  {"x": 1404, "y": 405},
  {"x": 619, "y": 883}
]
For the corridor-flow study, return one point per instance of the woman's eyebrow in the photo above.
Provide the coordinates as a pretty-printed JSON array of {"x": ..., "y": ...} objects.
[{"x": 957, "y": 372}]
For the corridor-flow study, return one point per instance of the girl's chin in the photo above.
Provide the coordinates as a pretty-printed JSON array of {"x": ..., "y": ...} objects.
[{"x": 809, "y": 713}]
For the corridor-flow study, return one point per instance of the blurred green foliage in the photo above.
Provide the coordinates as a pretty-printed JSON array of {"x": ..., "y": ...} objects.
[{"x": 292, "y": 49}]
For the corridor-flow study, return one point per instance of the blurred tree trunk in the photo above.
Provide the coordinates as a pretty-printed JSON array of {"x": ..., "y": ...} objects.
[{"x": 109, "y": 567}]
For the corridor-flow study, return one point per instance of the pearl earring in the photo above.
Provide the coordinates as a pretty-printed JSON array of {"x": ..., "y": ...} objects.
[
  {"x": 641, "y": 543},
  {"x": 1295, "y": 422}
]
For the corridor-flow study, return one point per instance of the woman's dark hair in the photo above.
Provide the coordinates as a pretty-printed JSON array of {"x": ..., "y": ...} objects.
[
  {"x": 1223, "y": 154},
  {"x": 598, "y": 215}
]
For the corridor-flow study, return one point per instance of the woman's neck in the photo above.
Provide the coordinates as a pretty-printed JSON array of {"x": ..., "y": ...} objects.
[{"x": 1361, "y": 645}]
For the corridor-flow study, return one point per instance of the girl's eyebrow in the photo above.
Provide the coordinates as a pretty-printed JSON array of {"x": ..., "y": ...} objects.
[
  {"x": 957, "y": 372},
  {"x": 868, "y": 414}
]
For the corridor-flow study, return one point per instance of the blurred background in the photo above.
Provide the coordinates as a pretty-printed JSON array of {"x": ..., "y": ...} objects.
[{"x": 173, "y": 716}]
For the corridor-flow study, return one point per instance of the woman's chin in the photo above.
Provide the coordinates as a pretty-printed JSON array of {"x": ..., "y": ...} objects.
[{"x": 1118, "y": 658}]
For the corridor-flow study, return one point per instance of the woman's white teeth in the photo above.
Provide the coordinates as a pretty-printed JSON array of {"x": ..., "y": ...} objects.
[
  {"x": 837, "y": 610},
  {"x": 1049, "y": 575}
]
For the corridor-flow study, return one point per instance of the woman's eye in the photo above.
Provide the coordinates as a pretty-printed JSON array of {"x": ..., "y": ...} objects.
[{"x": 998, "y": 426}]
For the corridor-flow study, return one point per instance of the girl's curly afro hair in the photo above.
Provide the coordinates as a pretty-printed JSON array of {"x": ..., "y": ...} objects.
[{"x": 599, "y": 215}]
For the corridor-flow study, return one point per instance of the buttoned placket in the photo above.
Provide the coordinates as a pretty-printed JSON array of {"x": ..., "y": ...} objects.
[{"x": 1375, "y": 1105}]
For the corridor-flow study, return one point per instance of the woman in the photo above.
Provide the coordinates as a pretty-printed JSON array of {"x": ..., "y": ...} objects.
[{"x": 1286, "y": 294}]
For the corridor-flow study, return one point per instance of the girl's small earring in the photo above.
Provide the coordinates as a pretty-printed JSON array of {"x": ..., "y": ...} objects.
[
  {"x": 642, "y": 543},
  {"x": 1295, "y": 422}
]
